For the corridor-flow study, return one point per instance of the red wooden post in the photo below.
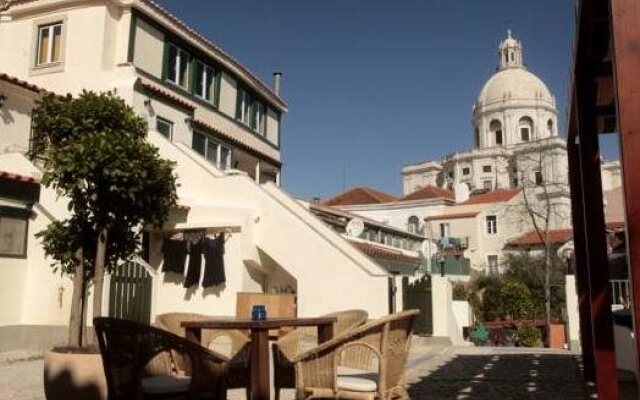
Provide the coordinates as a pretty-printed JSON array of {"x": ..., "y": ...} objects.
[
  {"x": 580, "y": 257},
  {"x": 625, "y": 29}
]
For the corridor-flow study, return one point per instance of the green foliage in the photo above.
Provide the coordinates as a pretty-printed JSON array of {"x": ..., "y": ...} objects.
[
  {"x": 515, "y": 300},
  {"x": 479, "y": 334},
  {"x": 495, "y": 297},
  {"x": 529, "y": 335},
  {"x": 95, "y": 155},
  {"x": 459, "y": 291}
]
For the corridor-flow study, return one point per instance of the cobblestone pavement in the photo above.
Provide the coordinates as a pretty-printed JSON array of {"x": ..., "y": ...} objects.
[{"x": 433, "y": 373}]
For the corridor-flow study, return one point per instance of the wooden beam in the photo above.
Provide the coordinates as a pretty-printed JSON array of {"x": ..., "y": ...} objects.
[
  {"x": 625, "y": 28},
  {"x": 580, "y": 259}
]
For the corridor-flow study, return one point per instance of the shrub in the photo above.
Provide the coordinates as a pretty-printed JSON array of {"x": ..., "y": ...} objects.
[
  {"x": 459, "y": 291},
  {"x": 515, "y": 299},
  {"x": 479, "y": 335},
  {"x": 529, "y": 335}
]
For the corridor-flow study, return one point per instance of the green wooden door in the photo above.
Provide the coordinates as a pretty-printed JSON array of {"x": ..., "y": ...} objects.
[
  {"x": 417, "y": 295},
  {"x": 130, "y": 293}
]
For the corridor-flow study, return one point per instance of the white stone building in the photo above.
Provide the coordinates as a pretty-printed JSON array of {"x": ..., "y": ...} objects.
[{"x": 209, "y": 114}]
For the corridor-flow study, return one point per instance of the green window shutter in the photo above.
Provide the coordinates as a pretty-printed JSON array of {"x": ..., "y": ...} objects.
[
  {"x": 253, "y": 110},
  {"x": 165, "y": 60},
  {"x": 216, "y": 82},
  {"x": 238, "y": 100}
]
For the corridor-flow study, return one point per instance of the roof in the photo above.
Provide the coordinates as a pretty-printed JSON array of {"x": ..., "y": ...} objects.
[
  {"x": 359, "y": 195},
  {"x": 452, "y": 216},
  {"x": 556, "y": 236},
  {"x": 512, "y": 84},
  {"x": 495, "y": 196},
  {"x": 17, "y": 177},
  {"x": 21, "y": 83},
  {"x": 429, "y": 192}
]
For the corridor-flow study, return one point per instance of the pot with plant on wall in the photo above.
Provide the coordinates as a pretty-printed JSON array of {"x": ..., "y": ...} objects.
[{"x": 95, "y": 155}]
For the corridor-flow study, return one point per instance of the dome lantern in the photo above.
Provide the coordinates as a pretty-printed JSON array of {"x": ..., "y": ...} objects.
[{"x": 510, "y": 53}]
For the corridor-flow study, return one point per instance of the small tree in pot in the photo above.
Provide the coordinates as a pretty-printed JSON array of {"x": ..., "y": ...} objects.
[{"x": 94, "y": 154}]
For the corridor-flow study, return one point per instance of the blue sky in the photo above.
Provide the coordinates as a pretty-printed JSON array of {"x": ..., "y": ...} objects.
[{"x": 373, "y": 85}]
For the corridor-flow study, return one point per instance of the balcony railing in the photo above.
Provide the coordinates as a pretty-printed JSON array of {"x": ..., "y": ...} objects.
[{"x": 620, "y": 294}]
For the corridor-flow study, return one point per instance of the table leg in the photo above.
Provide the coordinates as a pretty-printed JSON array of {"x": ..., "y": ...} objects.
[
  {"x": 260, "y": 385},
  {"x": 325, "y": 332}
]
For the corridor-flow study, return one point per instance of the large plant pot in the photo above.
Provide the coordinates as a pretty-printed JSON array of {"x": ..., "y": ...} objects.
[
  {"x": 78, "y": 376},
  {"x": 557, "y": 337}
]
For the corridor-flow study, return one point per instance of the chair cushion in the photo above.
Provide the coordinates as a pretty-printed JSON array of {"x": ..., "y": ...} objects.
[
  {"x": 357, "y": 380},
  {"x": 164, "y": 384}
]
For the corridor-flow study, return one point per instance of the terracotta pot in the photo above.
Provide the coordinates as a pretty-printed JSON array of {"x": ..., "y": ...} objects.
[
  {"x": 556, "y": 336},
  {"x": 77, "y": 376}
]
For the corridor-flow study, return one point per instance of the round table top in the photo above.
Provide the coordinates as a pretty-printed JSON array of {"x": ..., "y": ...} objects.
[{"x": 246, "y": 323}]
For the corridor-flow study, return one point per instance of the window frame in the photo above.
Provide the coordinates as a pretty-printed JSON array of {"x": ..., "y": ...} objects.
[
  {"x": 208, "y": 139},
  {"x": 209, "y": 73},
  {"x": 251, "y": 111},
  {"x": 466, "y": 170},
  {"x": 167, "y": 122},
  {"x": 17, "y": 213},
  {"x": 490, "y": 265},
  {"x": 178, "y": 70},
  {"x": 445, "y": 229},
  {"x": 51, "y": 66},
  {"x": 491, "y": 225},
  {"x": 486, "y": 169}
]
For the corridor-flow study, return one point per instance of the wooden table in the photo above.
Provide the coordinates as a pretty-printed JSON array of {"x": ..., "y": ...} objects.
[{"x": 259, "y": 362}]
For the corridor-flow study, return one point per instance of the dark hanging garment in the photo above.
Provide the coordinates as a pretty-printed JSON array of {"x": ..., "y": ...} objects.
[
  {"x": 214, "y": 262},
  {"x": 175, "y": 255},
  {"x": 195, "y": 263}
]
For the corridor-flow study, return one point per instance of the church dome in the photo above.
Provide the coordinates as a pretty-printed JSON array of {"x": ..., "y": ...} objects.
[{"x": 513, "y": 83}]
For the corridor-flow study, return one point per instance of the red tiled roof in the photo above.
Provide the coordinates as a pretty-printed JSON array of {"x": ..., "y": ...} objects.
[
  {"x": 452, "y": 216},
  {"x": 19, "y": 178},
  {"x": 21, "y": 83},
  {"x": 429, "y": 192},
  {"x": 556, "y": 236},
  {"x": 494, "y": 196},
  {"x": 359, "y": 195},
  {"x": 372, "y": 250}
]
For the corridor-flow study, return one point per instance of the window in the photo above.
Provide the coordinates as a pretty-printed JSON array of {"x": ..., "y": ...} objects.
[
  {"x": 524, "y": 134},
  {"x": 486, "y": 168},
  {"x": 164, "y": 127},
  {"x": 243, "y": 111},
  {"x": 525, "y": 125},
  {"x": 251, "y": 112},
  {"x": 466, "y": 171},
  {"x": 492, "y": 224},
  {"x": 413, "y": 224},
  {"x": 514, "y": 182},
  {"x": 177, "y": 65},
  {"x": 476, "y": 137},
  {"x": 538, "y": 177},
  {"x": 444, "y": 229},
  {"x": 492, "y": 264},
  {"x": 14, "y": 224},
  {"x": 499, "y": 137},
  {"x": 216, "y": 153},
  {"x": 550, "y": 127},
  {"x": 487, "y": 185},
  {"x": 204, "y": 81},
  {"x": 259, "y": 120},
  {"x": 49, "y": 44},
  {"x": 496, "y": 128}
]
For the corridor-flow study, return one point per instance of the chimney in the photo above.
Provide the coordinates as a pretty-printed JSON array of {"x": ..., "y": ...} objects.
[{"x": 277, "y": 77}]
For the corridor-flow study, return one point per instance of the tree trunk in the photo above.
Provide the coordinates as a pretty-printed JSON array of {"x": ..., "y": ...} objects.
[
  {"x": 76, "y": 320},
  {"x": 98, "y": 277},
  {"x": 547, "y": 284}
]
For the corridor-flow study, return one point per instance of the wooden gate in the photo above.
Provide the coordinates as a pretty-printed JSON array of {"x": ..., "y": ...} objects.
[
  {"x": 417, "y": 295},
  {"x": 130, "y": 293}
]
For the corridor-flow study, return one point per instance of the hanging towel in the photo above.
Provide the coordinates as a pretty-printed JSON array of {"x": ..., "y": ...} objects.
[
  {"x": 214, "y": 261},
  {"x": 195, "y": 263},
  {"x": 175, "y": 255}
]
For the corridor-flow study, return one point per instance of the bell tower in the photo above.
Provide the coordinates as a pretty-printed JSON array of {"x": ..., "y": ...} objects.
[{"x": 510, "y": 53}]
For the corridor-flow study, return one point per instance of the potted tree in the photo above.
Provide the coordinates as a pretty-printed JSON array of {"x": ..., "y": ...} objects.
[{"x": 94, "y": 154}]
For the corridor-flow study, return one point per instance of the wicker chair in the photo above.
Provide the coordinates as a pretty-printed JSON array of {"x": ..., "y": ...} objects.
[
  {"x": 319, "y": 374},
  {"x": 232, "y": 343},
  {"x": 293, "y": 343},
  {"x": 126, "y": 347}
]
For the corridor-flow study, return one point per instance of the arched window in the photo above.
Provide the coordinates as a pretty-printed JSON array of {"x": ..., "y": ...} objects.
[
  {"x": 495, "y": 127},
  {"x": 550, "y": 127},
  {"x": 476, "y": 137},
  {"x": 413, "y": 224},
  {"x": 525, "y": 127}
]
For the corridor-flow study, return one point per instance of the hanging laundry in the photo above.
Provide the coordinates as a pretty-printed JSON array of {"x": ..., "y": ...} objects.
[
  {"x": 175, "y": 255},
  {"x": 214, "y": 261},
  {"x": 195, "y": 263}
]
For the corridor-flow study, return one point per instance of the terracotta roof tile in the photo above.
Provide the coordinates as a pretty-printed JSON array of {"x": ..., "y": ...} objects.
[
  {"x": 17, "y": 177},
  {"x": 452, "y": 216},
  {"x": 359, "y": 195},
  {"x": 21, "y": 83},
  {"x": 373, "y": 250},
  {"x": 556, "y": 236},
  {"x": 429, "y": 192},
  {"x": 494, "y": 196}
]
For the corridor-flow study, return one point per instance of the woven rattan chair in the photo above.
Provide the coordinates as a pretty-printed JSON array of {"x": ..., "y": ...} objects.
[
  {"x": 293, "y": 343},
  {"x": 229, "y": 342},
  {"x": 127, "y": 347},
  {"x": 319, "y": 374}
]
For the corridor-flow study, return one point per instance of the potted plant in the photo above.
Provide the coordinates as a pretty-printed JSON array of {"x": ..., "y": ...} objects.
[{"x": 94, "y": 154}]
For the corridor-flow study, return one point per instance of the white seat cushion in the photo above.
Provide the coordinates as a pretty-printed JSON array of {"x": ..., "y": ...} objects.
[
  {"x": 164, "y": 384},
  {"x": 357, "y": 380}
]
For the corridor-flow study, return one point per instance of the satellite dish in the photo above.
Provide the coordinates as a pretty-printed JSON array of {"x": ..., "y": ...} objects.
[
  {"x": 355, "y": 227},
  {"x": 461, "y": 192}
]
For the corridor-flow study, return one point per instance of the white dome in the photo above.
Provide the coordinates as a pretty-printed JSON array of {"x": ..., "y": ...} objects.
[{"x": 513, "y": 84}]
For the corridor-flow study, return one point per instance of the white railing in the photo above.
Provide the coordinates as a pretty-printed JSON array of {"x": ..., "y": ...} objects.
[{"x": 620, "y": 292}]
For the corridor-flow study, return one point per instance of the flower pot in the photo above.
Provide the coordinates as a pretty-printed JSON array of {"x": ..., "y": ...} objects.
[
  {"x": 69, "y": 375},
  {"x": 556, "y": 336}
]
